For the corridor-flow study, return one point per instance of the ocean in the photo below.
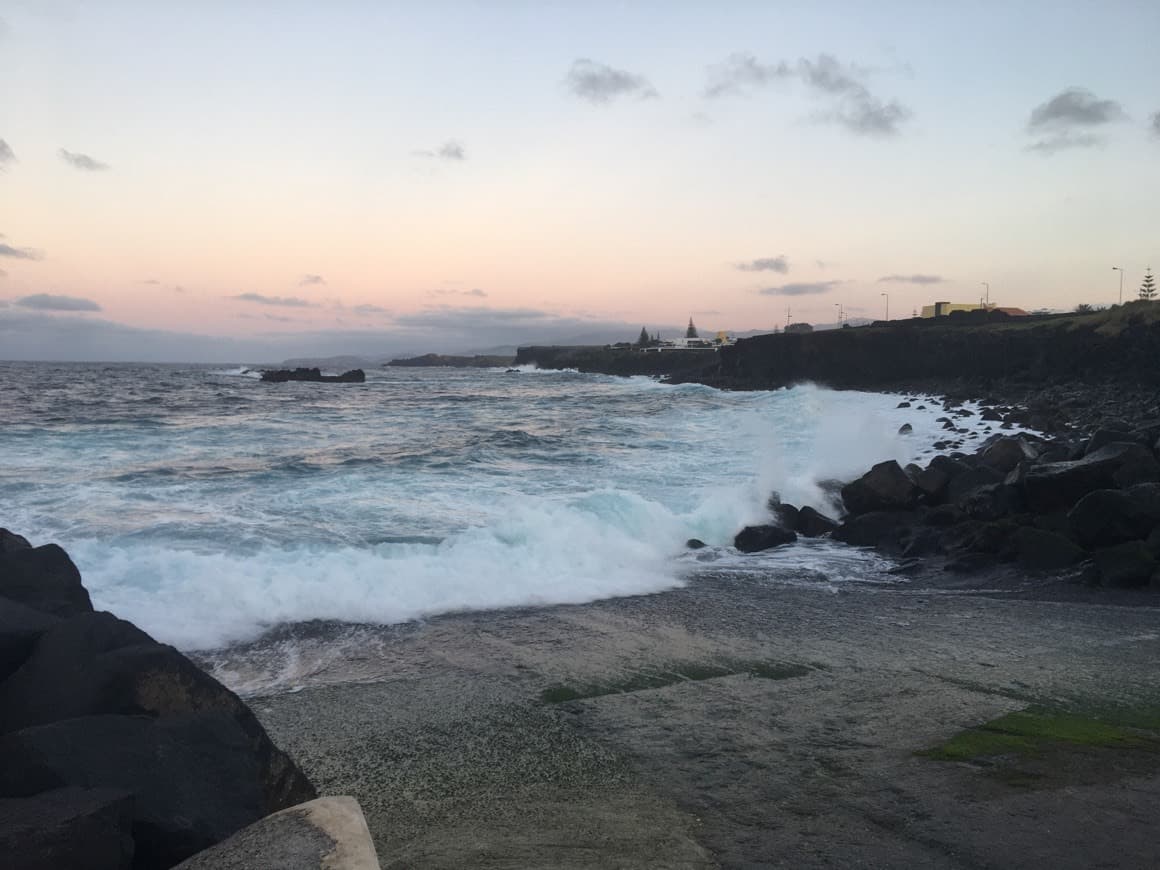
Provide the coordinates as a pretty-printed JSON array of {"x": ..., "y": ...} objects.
[{"x": 214, "y": 510}]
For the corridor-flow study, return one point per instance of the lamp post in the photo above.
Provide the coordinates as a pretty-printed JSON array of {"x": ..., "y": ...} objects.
[
  {"x": 1121, "y": 271},
  {"x": 838, "y": 305},
  {"x": 887, "y": 295},
  {"x": 987, "y": 300}
]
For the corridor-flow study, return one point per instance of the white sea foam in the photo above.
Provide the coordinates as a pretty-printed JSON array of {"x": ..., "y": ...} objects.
[{"x": 562, "y": 488}]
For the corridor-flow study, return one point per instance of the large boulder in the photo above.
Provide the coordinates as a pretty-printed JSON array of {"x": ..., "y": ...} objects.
[
  {"x": 328, "y": 834},
  {"x": 1108, "y": 516},
  {"x": 812, "y": 524},
  {"x": 970, "y": 480},
  {"x": 68, "y": 829},
  {"x": 1042, "y": 550},
  {"x": 936, "y": 477},
  {"x": 20, "y": 628},
  {"x": 97, "y": 664},
  {"x": 1126, "y": 565},
  {"x": 884, "y": 530},
  {"x": 1103, "y": 437},
  {"x": 43, "y": 578},
  {"x": 753, "y": 539},
  {"x": 884, "y": 487},
  {"x": 1005, "y": 453},
  {"x": 194, "y": 778},
  {"x": 10, "y": 541},
  {"x": 991, "y": 501},
  {"x": 1057, "y": 486}
]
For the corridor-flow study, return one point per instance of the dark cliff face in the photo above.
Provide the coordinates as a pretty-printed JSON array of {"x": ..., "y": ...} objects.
[
  {"x": 1123, "y": 346},
  {"x": 619, "y": 361}
]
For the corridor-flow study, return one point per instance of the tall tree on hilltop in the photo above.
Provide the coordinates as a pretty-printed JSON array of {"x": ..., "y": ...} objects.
[
  {"x": 1148, "y": 288},
  {"x": 691, "y": 332},
  {"x": 644, "y": 340}
]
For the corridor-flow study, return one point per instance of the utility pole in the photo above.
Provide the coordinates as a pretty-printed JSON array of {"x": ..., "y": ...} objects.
[
  {"x": 1121, "y": 271},
  {"x": 788, "y": 318},
  {"x": 987, "y": 300},
  {"x": 887, "y": 295}
]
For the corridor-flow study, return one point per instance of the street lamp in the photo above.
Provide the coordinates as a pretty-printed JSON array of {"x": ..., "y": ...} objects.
[
  {"x": 838, "y": 305},
  {"x": 1121, "y": 271},
  {"x": 887, "y": 295}
]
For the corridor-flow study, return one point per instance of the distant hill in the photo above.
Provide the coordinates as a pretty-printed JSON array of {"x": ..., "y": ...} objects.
[{"x": 460, "y": 362}]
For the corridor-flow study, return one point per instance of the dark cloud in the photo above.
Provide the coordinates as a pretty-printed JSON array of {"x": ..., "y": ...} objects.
[
  {"x": 449, "y": 150},
  {"x": 82, "y": 161},
  {"x": 6, "y": 155},
  {"x": 1075, "y": 107},
  {"x": 599, "y": 83},
  {"x": 912, "y": 279},
  {"x": 53, "y": 302},
  {"x": 310, "y": 280},
  {"x": 854, "y": 106},
  {"x": 800, "y": 289},
  {"x": 766, "y": 264},
  {"x": 284, "y": 301},
  {"x": 742, "y": 73},
  {"x": 19, "y": 253},
  {"x": 1068, "y": 119}
]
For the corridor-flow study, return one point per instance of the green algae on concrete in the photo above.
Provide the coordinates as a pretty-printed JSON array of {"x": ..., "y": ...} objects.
[
  {"x": 1036, "y": 730},
  {"x": 671, "y": 675}
]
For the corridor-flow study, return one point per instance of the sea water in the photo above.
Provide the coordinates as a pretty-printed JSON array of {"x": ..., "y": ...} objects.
[{"x": 209, "y": 507}]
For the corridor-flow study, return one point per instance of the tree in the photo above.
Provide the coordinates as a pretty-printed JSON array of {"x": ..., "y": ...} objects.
[
  {"x": 1148, "y": 288},
  {"x": 644, "y": 340},
  {"x": 1084, "y": 308},
  {"x": 691, "y": 332}
]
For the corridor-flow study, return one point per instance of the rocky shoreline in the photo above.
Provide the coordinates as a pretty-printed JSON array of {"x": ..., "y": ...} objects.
[{"x": 1082, "y": 509}]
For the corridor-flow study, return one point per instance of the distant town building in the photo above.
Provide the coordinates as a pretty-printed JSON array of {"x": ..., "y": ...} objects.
[
  {"x": 798, "y": 328},
  {"x": 942, "y": 309}
]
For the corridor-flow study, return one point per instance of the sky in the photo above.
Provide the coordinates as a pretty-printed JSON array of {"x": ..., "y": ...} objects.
[{"x": 249, "y": 181}]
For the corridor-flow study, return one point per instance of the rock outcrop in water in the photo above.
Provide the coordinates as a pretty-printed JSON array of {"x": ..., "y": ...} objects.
[
  {"x": 281, "y": 376},
  {"x": 115, "y": 750}
]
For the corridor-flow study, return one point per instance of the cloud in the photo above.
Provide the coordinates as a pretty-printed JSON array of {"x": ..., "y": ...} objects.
[
  {"x": 599, "y": 83},
  {"x": 1075, "y": 107},
  {"x": 1067, "y": 120},
  {"x": 475, "y": 291},
  {"x": 285, "y": 301},
  {"x": 82, "y": 161},
  {"x": 800, "y": 289},
  {"x": 150, "y": 281},
  {"x": 765, "y": 264},
  {"x": 310, "y": 280},
  {"x": 53, "y": 302},
  {"x": 371, "y": 309},
  {"x": 19, "y": 253},
  {"x": 7, "y": 155},
  {"x": 449, "y": 150},
  {"x": 912, "y": 279},
  {"x": 3, "y": 274},
  {"x": 448, "y": 316},
  {"x": 448, "y": 291},
  {"x": 853, "y": 105},
  {"x": 741, "y": 73},
  {"x": 1156, "y": 124}
]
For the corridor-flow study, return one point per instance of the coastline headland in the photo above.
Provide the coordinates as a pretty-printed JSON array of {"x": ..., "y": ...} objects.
[{"x": 959, "y": 354}]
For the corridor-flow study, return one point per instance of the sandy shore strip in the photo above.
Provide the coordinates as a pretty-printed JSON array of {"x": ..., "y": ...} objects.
[{"x": 739, "y": 722}]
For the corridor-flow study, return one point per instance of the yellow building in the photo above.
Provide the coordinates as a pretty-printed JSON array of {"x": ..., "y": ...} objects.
[{"x": 942, "y": 309}]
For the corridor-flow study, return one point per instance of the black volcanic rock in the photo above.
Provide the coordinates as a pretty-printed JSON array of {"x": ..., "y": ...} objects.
[
  {"x": 753, "y": 539},
  {"x": 194, "y": 778},
  {"x": 812, "y": 524},
  {"x": 10, "y": 541},
  {"x": 43, "y": 578},
  {"x": 1126, "y": 566},
  {"x": 280, "y": 376},
  {"x": 1039, "y": 549},
  {"x": 1057, "y": 486},
  {"x": 68, "y": 829},
  {"x": 1004, "y": 454},
  {"x": 20, "y": 628},
  {"x": 1108, "y": 516},
  {"x": 884, "y": 530},
  {"x": 883, "y": 487},
  {"x": 96, "y": 664}
]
